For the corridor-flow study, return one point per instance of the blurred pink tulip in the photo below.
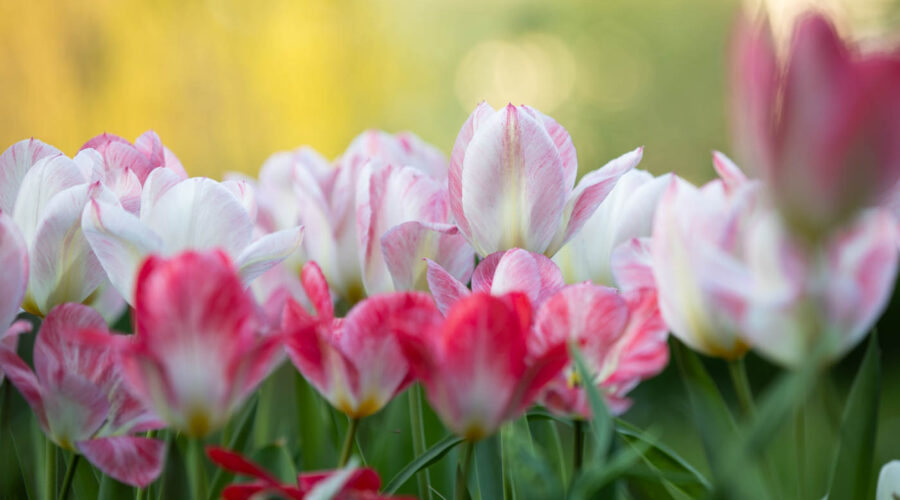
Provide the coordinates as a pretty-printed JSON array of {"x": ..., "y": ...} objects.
[
  {"x": 512, "y": 181},
  {"x": 354, "y": 362},
  {"x": 621, "y": 336},
  {"x": 514, "y": 270},
  {"x": 197, "y": 351},
  {"x": 77, "y": 394},
  {"x": 820, "y": 127},
  {"x": 476, "y": 366}
]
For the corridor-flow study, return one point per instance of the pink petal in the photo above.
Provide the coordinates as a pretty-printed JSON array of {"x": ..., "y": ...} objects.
[
  {"x": 267, "y": 251},
  {"x": 482, "y": 112},
  {"x": 317, "y": 290},
  {"x": 15, "y": 163},
  {"x": 445, "y": 289},
  {"x": 728, "y": 171},
  {"x": 21, "y": 376},
  {"x": 57, "y": 354},
  {"x": 132, "y": 460},
  {"x": 406, "y": 246},
  {"x": 41, "y": 184},
  {"x": 518, "y": 270},
  {"x": 632, "y": 265},
  {"x": 14, "y": 278},
  {"x": 563, "y": 142}
]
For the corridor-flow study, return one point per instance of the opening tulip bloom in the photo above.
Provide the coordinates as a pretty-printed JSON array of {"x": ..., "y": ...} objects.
[
  {"x": 197, "y": 352},
  {"x": 475, "y": 365},
  {"x": 512, "y": 181},
  {"x": 622, "y": 339},
  {"x": 354, "y": 362},
  {"x": 77, "y": 394},
  {"x": 821, "y": 126},
  {"x": 13, "y": 282}
]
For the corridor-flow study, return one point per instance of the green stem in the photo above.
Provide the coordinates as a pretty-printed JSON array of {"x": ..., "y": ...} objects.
[
  {"x": 70, "y": 474},
  {"x": 417, "y": 424},
  {"x": 462, "y": 478},
  {"x": 738, "y": 372},
  {"x": 800, "y": 435},
  {"x": 50, "y": 470},
  {"x": 348, "y": 442},
  {"x": 197, "y": 468},
  {"x": 578, "y": 446}
]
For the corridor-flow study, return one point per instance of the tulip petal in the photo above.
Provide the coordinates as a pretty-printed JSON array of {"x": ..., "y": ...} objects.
[
  {"x": 317, "y": 290},
  {"x": 266, "y": 252},
  {"x": 21, "y": 376},
  {"x": 406, "y": 246},
  {"x": 132, "y": 460},
  {"x": 445, "y": 289},
  {"x": 47, "y": 178},
  {"x": 14, "y": 278},
  {"x": 731, "y": 175},
  {"x": 475, "y": 120},
  {"x": 632, "y": 265},
  {"x": 564, "y": 145},
  {"x": 15, "y": 163},
  {"x": 158, "y": 182}
]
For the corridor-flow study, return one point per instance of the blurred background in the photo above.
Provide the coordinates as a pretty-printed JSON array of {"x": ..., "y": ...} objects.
[{"x": 227, "y": 82}]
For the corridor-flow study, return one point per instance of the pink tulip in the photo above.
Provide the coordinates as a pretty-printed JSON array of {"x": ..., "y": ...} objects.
[
  {"x": 77, "y": 394},
  {"x": 354, "y": 362},
  {"x": 819, "y": 127},
  {"x": 621, "y": 336},
  {"x": 44, "y": 193},
  {"x": 512, "y": 181},
  {"x": 197, "y": 352},
  {"x": 514, "y": 270},
  {"x": 476, "y": 366},
  {"x": 347, "y": 484}
]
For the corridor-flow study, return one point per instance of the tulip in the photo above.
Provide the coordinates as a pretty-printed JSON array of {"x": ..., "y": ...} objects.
[
  {"x": 177, "y": 215},
  {"x": 347, "y": 484},
  {"x": 44, "y": 193},
  {"x": 13, "y": 282},
  {"x": 625, "y": 214},
  {"x": 889, "y": 481},
  {"x": 354, "y": 362},
  {"x": 197, "y": 352},
  {"x": 820, "y": 127},
  {"x": 512, "y": 181},
  {"x": 621, "y": 336},
  {"x": 476, "y": 366},
  {"x": 696, "y": 259},
  {"x": 77, "y": 395},
  {"x": 402, "y": 217},
  {"x": 514, "y": 270}
]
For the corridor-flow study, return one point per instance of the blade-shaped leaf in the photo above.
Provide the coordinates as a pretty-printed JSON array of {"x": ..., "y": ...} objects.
[
  {"x": 431, "y": 455},
  {"x": 601, "y": 420},
  {"x": 238, "y": 441},
  {"x": 668, "y": 470}
]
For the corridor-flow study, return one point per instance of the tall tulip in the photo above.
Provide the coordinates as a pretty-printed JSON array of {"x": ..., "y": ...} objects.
[
  {"x": 198, "y": 351},
  {"x": 512, "y": 181},
  {"x": 476, "y": 366},
  {"x": 820, "y": 126},
  {"x": 77, "y": 393}
]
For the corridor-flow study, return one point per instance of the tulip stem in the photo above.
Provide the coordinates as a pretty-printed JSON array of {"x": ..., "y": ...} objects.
[
  {"x": 416, "y": 423},
  {"x": 197, "y": 468},
  {"x": 577, "y": 459},
  {"x": 70, "y": 474},
  {"x": 738, "y": 372},
  {"x": 50, "y": 470},
  {"x": 348, "y": 442},
  {"x": 800, "y": 435},
  {"x": 462, "y": 477}
]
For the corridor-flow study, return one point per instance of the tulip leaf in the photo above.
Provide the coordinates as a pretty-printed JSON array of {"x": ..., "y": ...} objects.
[
  {"x": 276, "y": 459},
  {"x": 174, "y": 479},
  {"x": 85, "y": 484},
  {"x": 596, "y": 477},
  {"x": 543, "y": 414},
  {"x": 238, "y": 441},
  {"x": 110, "y": 489},
  {"x": 431, "y": 455},
  {"x": 852, "y": 472},
  {"x": 601, "y": 420},
  {"x": 667, "y": 470}
]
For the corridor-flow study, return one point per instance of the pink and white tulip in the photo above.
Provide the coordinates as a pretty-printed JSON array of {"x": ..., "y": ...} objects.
[
  {"x": 621, "y": 336},
  {"x": 354, "y": 362},
  {"x": 182, "y": 214},
  {"x": 821, "y": 126},
  {"x": 476, "y": 366},
  {"x": 625, "y": 214},
  {"x": 44, "y": 193},
  {"x": 514, "y": 270},
  {"x": 77, "y": 395},
  {"x": 512, "y": 181},
  {"x": 198, "y": 351}
]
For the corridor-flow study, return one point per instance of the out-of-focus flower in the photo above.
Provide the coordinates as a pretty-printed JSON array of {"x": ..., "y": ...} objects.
[
  {"x": 77, "y": 395},
  {"x": 354, "y": 362},
  {"x": 197, "y": 352},
  {"x": 44, "y": 193},
  {"x": 475, "y": 365},
  {"x": 13, "y": 282},
  {"x": 402, "y": 217},
  {"x": 889, "y": 481},
  {"x": 696, "y": 252},
  {"x": 512, "y": 181},
  {"x": 177, "y": 215},
  {"x": 514, "y": 270},
  {"x": 346, "y": 484},
  {"x": 821, "y": 126},
  {"x": 622, "y": 339},
  {"x": 625, "y": 214}
]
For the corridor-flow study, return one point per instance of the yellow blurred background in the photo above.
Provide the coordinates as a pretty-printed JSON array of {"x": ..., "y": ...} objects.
[{"x": 227, "y": 82}]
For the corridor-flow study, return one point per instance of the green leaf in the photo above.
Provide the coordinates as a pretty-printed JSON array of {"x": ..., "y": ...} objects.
[
  {"x": 110, "y": 489},
  {"x": 668, "y": 470},
  {"x": 852, "y": 472},
  {"x": 543, "y": 414},
  {"x": 595, "y": 477},
  {"x": 601, "y": 420},
  {"x": 238, "y": 441},
  {"x": 85, "y": 484},
  {"x": 276, "y": 459},
  {"x": 174, "y": 480},
  {"x": 432, "y": 455}
]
